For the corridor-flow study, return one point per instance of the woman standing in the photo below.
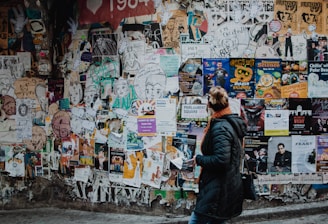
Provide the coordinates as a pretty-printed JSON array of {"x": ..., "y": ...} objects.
[{"x": 220, "y": 186}]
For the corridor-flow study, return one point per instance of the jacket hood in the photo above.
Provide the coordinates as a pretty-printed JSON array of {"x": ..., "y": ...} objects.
[{"x": 237, "y": 123}]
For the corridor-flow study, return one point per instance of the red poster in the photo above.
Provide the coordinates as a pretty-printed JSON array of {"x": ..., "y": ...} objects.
[{"x": 97, "y": 11}]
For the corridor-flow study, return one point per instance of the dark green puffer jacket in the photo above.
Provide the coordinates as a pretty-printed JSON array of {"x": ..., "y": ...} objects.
[{"x": 220, "y": 186}]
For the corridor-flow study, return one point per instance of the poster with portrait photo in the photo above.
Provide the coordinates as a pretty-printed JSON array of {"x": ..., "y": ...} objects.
[
  {"x": 12, "y": 64},
  {"x": 256, "y": 153},
  {"x": 280, "y": 154},
  {"x": 104, "y": 43},
  {"x": 24, "y": 118},
  {"x": 216, "y": 73},
  {"x": 319, "y": 121}
]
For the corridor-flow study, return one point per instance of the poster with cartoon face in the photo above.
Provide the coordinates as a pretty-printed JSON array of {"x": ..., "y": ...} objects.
[{"x": 61, "y": 124}]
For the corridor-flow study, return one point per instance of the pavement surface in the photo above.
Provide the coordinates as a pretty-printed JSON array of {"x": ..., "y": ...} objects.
[{"x": 306, "y": 213}]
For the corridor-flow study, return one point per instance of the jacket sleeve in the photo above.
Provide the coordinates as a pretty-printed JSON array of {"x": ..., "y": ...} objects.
[{"x": 219, "y": 149}]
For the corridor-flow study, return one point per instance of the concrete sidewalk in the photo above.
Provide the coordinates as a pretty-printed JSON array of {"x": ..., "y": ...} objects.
[
  {"x": 282, "y": 212},
  {"x": 67, "y": 216}
]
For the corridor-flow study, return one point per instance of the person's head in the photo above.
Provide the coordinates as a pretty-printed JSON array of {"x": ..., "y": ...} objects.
[
  {"x": 23, "y": 109},
  {"x": 76, "y": 93},
  {"x": 8, "y": 105},
  {"x": 281, "y": 148},
  {"x": 121, "y": 87},
  {"x": 155, "y": 86},
  {"x": 218, "y": 98},
  {"x": 101, "y": 154},
  {"x": 90, "y": 93},
  {"x": 262, "y": 152}
]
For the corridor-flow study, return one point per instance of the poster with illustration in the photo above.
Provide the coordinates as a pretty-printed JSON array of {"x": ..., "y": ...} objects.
[
  {"x": 150, "y": 82},
  {"x": 116, "y": 164},
  {"x": 133, "y": 168},
  {"x": 286, "y": 12},
  {"x": 276, "y": 104},
  {"x": 173, "y": 27},
  {"x": 145, "y": 112},
  {"x": 191, "y": 77},
  {"x": 303, "y": 154},
  {"x": 32, "y": 161},
  {"x": 153, "y": 168},
  {"x": 294, "y": 79},
  {"x": 87, "y": 151},
  {"x": 268, "y": 78},
  {"x": 242, "y": 78},
  {"x": 310, "y": 12},
  {"x": 216, "y": 73},
  {"x": 12, "y": 64},
  {"x": 300, "y": 116},
  {"x": 14, "y": 159},
  {"x": 253, "y": 113}
]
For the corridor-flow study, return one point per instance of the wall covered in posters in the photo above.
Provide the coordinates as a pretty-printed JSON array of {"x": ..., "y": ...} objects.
[{"x": 118, "y": 104}]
